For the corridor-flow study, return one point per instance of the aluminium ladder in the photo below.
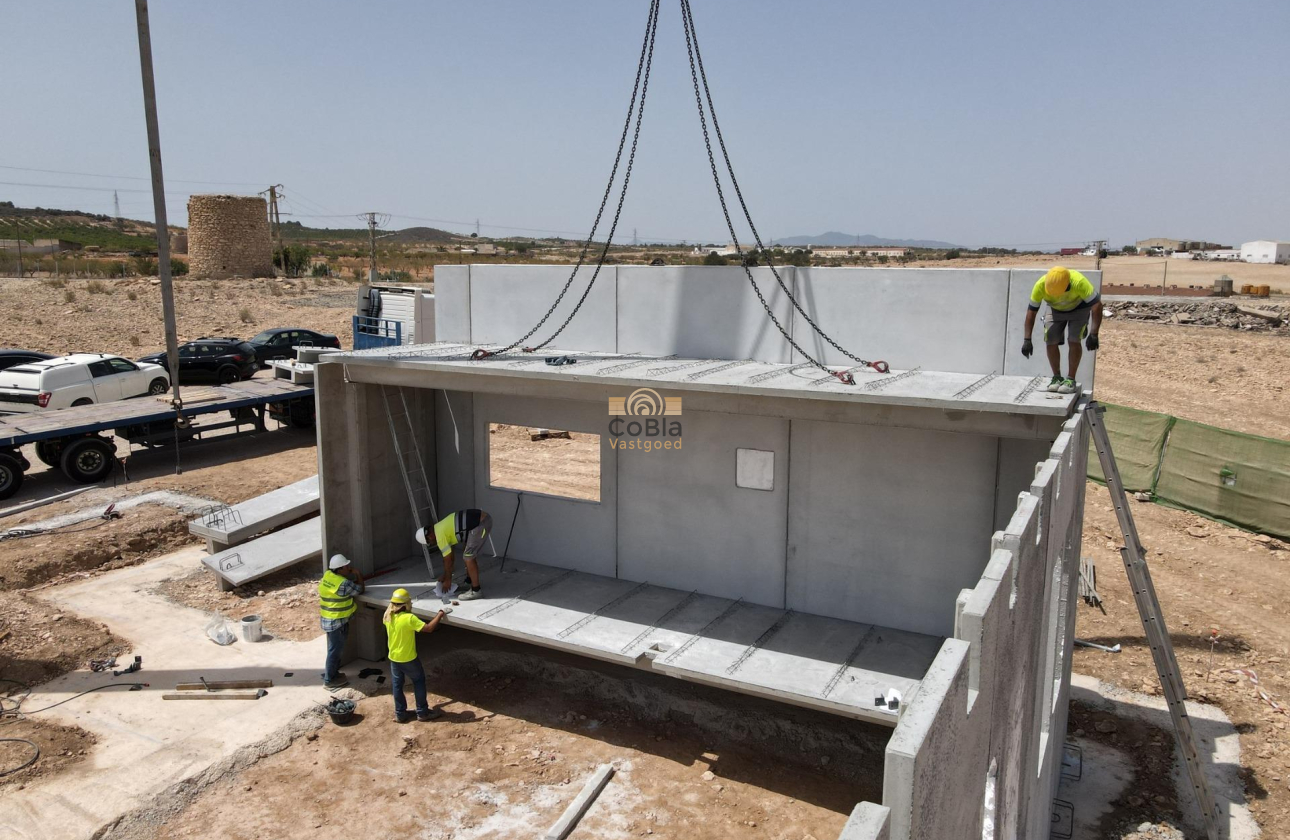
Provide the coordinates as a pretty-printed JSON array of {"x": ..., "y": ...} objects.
[
  {"x": 408, "y": 453},
  {"x": 1153, "y": 622}
]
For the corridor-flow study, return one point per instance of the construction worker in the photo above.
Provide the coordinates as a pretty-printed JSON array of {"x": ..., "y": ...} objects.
[
  {"x": 468, "y": 527},
  {"x": 336, "y": 591},
  {"x": 1072, "y": 302},
  {"x": 401, "y": 628}
]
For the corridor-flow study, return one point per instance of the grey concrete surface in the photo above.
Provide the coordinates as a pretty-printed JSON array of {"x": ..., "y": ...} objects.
[
  {"x": 684, "y": 522},
  {"x": 507, "y": 301},
  {"x": 227, "y": 527},
  {"x": 703, "y": 312},
  {"x": 813, "y": 662},
  {"x": 887, "y": 525},
  {"x": 267, "y": 554},
  {"x": 946, "y": 319}
]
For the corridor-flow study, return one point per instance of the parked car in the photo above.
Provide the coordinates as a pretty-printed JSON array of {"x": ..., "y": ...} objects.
[
  {"x": 221, "y": 360},
  {"x": 9, "y": 358},
  {"x": 278, "y": 343},
  {"x": 78, "y": 379}
]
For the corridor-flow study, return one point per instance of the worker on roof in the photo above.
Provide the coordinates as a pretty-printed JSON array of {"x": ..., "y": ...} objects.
[
  {"x": 1073, "y": 303},
  {"x": 401, "y": 629},
  {"x": 467, "y": 528},
  {"x": 336, "y": 591}
]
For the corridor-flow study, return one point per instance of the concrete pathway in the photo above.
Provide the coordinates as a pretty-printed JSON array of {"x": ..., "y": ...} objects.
[{"x": 148, "y": 747}]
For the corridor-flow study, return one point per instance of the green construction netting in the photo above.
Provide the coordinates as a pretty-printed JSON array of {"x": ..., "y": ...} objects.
[
  {"x": 1238, "y": 478},
  {"x": 1137, "y": 438}
]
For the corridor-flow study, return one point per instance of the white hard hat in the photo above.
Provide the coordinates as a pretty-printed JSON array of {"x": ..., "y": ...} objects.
[
  {"x": 421, "y": 536},
  {"x": 337, "y": 561}
]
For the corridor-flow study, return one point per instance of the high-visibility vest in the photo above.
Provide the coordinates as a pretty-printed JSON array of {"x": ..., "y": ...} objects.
[{"x": 332, "y": 605}]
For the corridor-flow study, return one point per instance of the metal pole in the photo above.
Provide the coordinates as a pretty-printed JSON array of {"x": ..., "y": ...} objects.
[{"x": 159, "y": 210}]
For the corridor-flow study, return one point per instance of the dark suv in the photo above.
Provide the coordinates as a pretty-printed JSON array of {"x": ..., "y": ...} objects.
[
  {"x": 221, "y": 360},
  {"x": 281, "y": 343}
]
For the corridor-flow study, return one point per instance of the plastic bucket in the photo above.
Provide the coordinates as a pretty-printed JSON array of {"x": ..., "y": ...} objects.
[{"x": 252, "y": 628}]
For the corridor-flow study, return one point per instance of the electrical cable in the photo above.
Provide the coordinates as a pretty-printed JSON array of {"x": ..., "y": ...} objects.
[
  {"x": 35, "y": 755},
  {"x": 20, "y": 714}
]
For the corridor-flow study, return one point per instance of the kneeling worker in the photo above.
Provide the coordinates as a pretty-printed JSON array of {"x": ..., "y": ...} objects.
[
  {"x": 468, "y": 527},
  {"x": 401, "y": 628},
  {"x": 1072, "y": 301}
]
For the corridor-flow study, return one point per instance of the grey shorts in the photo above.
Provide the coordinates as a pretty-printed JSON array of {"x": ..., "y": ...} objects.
[
  {"x": 1055, "y": 325},
  {"x": 475, "y": 539}
]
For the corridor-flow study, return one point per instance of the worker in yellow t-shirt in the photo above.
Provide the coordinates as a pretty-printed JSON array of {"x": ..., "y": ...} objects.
[
  {"x": 1072, "y": 302},
  {"x": 401, "y": 629}
]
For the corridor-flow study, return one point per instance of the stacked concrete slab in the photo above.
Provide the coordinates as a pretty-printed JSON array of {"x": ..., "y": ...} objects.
[{"x": 945, "y": 504}]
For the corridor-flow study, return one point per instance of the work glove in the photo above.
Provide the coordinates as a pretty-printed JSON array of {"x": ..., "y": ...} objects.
[
  {"x": 1091, "y": 342},
  {"x": 1028, "y": 348}
]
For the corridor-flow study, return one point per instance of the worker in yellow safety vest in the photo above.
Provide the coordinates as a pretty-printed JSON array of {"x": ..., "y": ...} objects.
[
  {"x": 468, "y": 528},
  {"x": 401, "y": 629},
  {"x": 336, "y": 591},
  {"x": 1072, "y": 302}
]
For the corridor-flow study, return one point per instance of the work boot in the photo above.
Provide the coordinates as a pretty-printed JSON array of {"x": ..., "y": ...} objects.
[
  {"x": 1067, "y": 386},
  {"x": 403, "y": 717},
  {"x": 433, "y": 714},
  {"x": 470, "y": 595},
  {"x": 1055, "y": 384}
]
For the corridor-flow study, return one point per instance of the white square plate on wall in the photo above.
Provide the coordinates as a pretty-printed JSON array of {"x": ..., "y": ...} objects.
[{"x": 755, "y": 469}]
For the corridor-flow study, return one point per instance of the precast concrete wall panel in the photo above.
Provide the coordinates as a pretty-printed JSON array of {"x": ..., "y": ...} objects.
[
  {"x": 887, "y": 525},
  {"x": 702, "y": 312},
  {"x": 508, "y": 301},
  {"x": 451, "y": 304},
  {"x": 1020, "y": 283},
  {"x": 557, "y": 531},
  {"x": 944, "y": 319},
  {"x": 454, "y": 419},
  {"x": 684, "y": 523}
]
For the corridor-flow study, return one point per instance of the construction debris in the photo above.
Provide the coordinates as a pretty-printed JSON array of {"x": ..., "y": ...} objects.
[{"x": 1205, "y": 313}]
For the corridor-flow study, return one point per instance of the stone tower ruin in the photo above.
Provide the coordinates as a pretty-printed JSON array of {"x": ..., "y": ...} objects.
[{"x": 228, "y": 235}]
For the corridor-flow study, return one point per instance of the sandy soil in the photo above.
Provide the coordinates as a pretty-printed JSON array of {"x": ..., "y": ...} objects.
[
  {"x": 1209, "y": 578},
  {"x": 1235, "y": 380},
  {"x": 506, "y": 758},
  {"x": 40, "y": 316},
  {"x": 558, "y": 466}
]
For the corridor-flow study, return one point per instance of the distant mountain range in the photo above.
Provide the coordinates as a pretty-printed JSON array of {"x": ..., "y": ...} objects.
[{"x": 834, "y": 237}]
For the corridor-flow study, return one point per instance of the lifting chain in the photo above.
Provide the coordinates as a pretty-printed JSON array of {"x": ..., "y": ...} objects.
[
  {"x": 641, "y": 87},
  {"x": 696, "y": 73}
]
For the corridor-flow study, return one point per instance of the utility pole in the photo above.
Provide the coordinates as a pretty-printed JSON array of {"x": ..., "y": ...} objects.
[
  {"x": 159, "y": 210},
  {"x": 275, "y": 220}
]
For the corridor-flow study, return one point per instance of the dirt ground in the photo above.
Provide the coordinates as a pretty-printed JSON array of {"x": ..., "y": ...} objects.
[
  {"x": 1210, "y": 579},
  {"x": 555, "y": 465},
  {"x": 509, "y": 754},
  {"x": 40, "y": 316}
]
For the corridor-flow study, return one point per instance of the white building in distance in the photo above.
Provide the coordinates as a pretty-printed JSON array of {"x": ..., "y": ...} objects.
[{"x": 1266, "y": 251}]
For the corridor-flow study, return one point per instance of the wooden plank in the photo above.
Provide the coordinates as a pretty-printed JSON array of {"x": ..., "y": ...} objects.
[
  {"x": 209, "y": 684},
  {"x": 213, "y": 695},
  {"x": 579, "y": 805}
]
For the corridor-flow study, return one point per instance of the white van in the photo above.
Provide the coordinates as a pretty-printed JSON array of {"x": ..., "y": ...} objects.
[{"x": 79, "y": 379}]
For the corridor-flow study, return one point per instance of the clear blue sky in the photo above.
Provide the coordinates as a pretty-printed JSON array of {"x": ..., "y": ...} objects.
[{"x": 1003, "y": 123}]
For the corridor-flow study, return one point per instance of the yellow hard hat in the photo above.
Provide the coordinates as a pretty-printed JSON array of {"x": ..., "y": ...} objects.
[
  {"x": 400, "y": 596},
  {"x": 1057, "y": 280}
]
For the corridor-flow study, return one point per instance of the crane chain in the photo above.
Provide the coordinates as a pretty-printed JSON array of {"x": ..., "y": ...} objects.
[
  {"x": 641, "y": 87},
  {"x": 695, "y": 55}
]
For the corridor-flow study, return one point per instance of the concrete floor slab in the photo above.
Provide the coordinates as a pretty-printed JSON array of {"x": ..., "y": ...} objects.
[
  {"x": 146, "y": 745},
  {"x": 811, "y": 661}
]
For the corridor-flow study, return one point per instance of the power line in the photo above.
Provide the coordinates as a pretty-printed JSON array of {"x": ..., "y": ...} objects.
[{"x": 128, "y": 177}]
